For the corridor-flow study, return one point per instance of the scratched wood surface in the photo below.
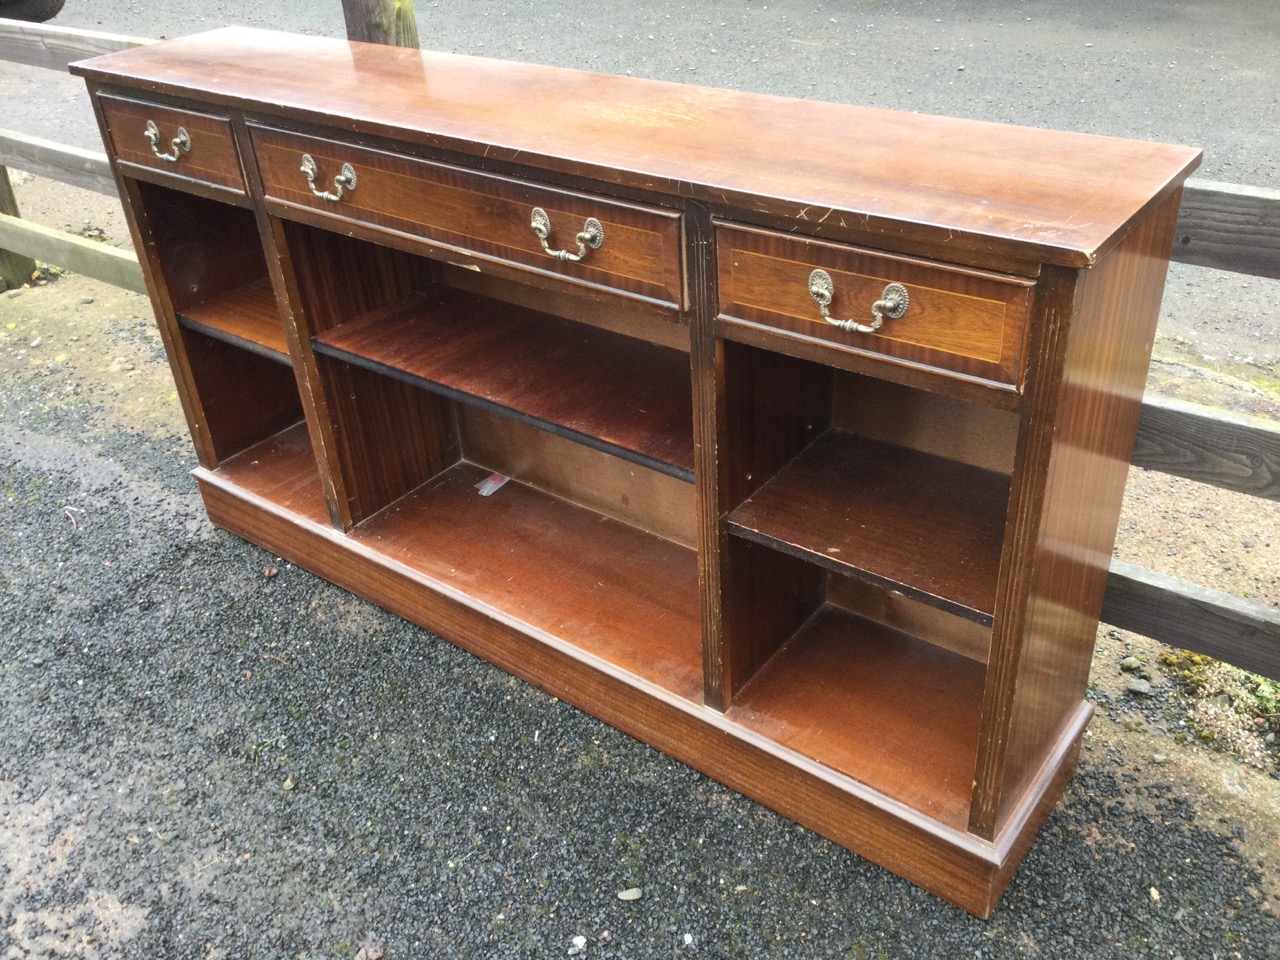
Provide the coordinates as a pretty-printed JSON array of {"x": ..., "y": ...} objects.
[{"x": 956, "y": 184}]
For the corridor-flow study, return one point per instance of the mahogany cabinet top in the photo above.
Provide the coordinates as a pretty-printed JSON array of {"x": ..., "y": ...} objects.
[{"x": 979, "y": 189}]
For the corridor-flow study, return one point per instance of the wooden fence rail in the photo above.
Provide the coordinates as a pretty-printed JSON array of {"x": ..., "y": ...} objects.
[
  {"x": 1228, "y": 227},
  {"x": 1222, "y": 226},
  {"x": 21, "y": 241}
]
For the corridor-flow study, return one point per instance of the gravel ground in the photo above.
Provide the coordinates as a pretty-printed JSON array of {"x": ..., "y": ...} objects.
[{"x": 202, "y": 761}]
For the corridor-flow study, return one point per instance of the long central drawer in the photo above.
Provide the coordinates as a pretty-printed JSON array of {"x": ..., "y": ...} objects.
[{"x": 478, "y": 214}]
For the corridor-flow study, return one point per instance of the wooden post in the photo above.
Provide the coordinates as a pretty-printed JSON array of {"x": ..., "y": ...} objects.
[
  {"x": 381, "y": 21},
  {"x": 15, "y": 269}
]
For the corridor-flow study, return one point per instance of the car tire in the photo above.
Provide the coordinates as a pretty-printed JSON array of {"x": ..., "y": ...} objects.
[{"x": 36, "y": 11}]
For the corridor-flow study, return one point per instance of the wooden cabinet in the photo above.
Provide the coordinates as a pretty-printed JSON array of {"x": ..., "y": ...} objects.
[{"x": 796, "y": 453}]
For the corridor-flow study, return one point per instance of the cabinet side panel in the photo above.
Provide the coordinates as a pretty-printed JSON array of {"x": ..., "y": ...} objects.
[
  {"x": 340, "y": 278},
  {"x": 1094, "y": 423}
]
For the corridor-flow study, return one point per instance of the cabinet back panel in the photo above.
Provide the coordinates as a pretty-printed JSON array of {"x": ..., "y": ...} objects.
[
  {"x": 968, "y": 433},
  {"x": 626, "y": 491},
  {"x": 205, "y": 248},
  {"x": 245, "y": 397},
  {"x": 893, "y": 609},
  {"x": 635, "y": 318},
  {"x": 340, "y": 278}
]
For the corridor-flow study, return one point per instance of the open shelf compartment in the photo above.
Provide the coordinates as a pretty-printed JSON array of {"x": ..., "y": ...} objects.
[
  {"x": 624, "y": 396},
  {"x": 245, "y": 317},
  {"x": 607, "y": 588},
  {"x": 282, "y": 470},
  {"x": 887, "y": 709},
  {"x": 898, "y": 518}
]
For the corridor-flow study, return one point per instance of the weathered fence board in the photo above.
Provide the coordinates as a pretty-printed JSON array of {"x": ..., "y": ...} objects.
[
  {"x": 45, "y": 158},
  {"x": 1182, "y": 614},
  {"x": 1210, "y": 446},
  {"x": 1229, "y": 227},
  {"x": 98, "y": 260},
  {"x": 54, "y": 47}
]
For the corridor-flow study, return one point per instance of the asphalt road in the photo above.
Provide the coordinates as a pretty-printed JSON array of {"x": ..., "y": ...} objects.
[{"x": 198, "y": 761}]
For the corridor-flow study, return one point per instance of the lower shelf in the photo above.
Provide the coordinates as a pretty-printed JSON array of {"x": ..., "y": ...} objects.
[
  {"x": 606, "y": 617},
  {"x": 609, "y": 589},
  {"x": 890, "y": 710},
  {"x": 282, "y": 470}
]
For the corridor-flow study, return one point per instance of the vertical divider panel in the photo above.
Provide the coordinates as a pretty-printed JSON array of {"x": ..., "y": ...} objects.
[
  {"x": 707, "y": 370},
  {"x": 375, "y": 438},
  {"x": 769, "y": 408}
]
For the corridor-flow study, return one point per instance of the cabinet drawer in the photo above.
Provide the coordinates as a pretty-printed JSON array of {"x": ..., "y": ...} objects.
[
  {"x": 205, "y": 149},
  {"x": 479, "y": 214},
  {"x": 968, "y": 322}
]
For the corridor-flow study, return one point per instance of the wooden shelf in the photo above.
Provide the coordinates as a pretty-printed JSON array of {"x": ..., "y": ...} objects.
[
  {"x": 281, "y": 469},
  {"x": 929, "y": 528},
  {"x": 625, "y": 396},
  {"x": 607, "y": 588},
  {"x": 882, "y": 707},
  {"x": 244, "y": 317}
]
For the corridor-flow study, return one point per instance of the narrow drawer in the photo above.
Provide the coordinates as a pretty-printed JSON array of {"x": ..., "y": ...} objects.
[
  {"x": 964, "y": 321},
  {"x": 180, "y": 142},
  {"x": 478, "y": 214}
]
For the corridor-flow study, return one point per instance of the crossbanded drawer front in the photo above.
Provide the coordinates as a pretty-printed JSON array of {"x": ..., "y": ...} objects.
[
  {"x": 186, "y": 144},
  {"x": 639, "y": 248},
  {"x": 959, "y": 320}
]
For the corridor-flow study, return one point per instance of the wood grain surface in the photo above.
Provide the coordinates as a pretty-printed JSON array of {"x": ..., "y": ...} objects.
[
  {"x": 282, "y": 470},
  {"x": 930, "y": 182},
  {"x": 212, "y": 158},
  {"x": 480, "y": 214},
  {"x": 245, "y": 317},
  {"x": 849, "y": 694},
  {"x": 968, "y": 871},
  {"x": 1210, "y": 446},
  {"x": 968, "y": 322},
  {"x": 904, "y": 520},
  {"x": 957, "y": 474},
  {"x": 609, "y": 390},
  {"x": 1227, "y": 226},
  {"x": 603, "y": 586},
  {"x": 245, "y": 397}
]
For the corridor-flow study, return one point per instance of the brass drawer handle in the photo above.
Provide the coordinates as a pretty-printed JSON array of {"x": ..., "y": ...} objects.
[
  {"x": 178, "y": 145},
  {"x": 592, "y": 236},
  {"x": 892, "y": 304},
  {"x": 346, "y": 180}
]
